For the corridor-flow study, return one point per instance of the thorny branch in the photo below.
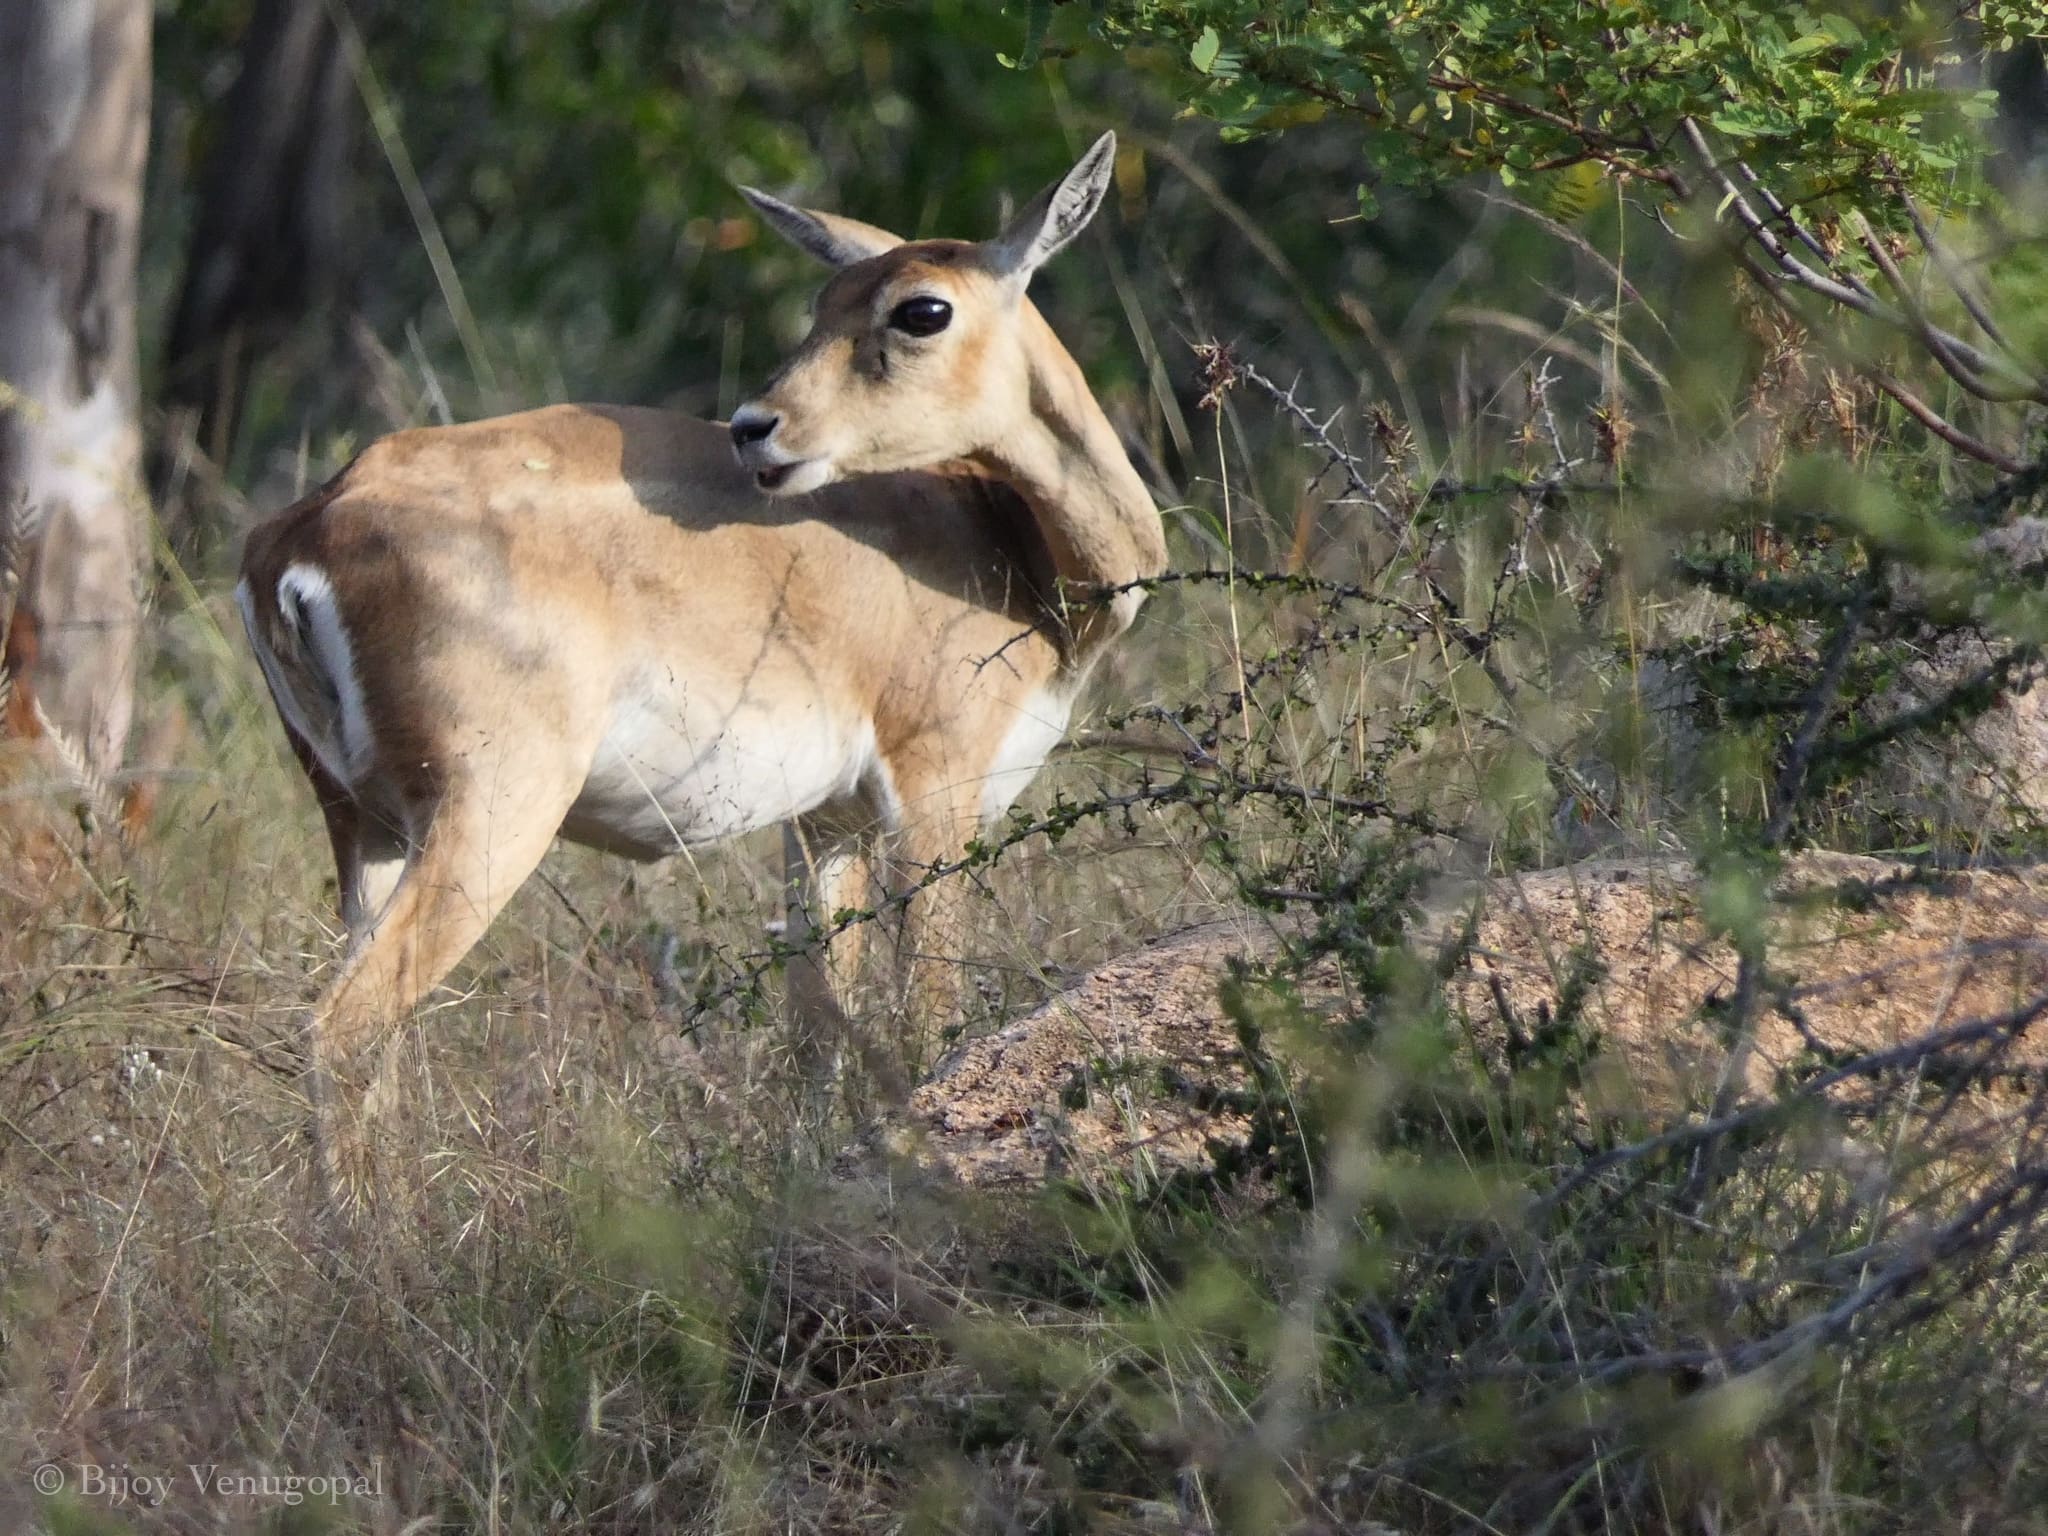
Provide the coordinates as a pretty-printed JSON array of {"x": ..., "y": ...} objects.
[
  {"x": 1225, "y": 369},
  {"x": 1206, "y": 780},
  {"x": 1953, "y": 274},
  {"x": 1218, "y": 790}
]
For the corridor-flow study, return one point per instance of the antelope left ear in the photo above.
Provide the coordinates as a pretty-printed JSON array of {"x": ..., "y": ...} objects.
[
  {"x": 1052, "y": 219},
  {"x": 836, "y": 241}
]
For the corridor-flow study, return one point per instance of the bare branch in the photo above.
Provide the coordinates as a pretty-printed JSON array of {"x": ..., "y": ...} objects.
[
  {"x": 1784, "y": 215},
  {"x": 1937, "y": 341},
  {"x": 1956, "y": 356},
  {"x": 1903, "y": 1057},
  {"x": 1926, "y": 415},
  {"x": 1952, "y": 271},
  {"x": 1942, "y": 428}
]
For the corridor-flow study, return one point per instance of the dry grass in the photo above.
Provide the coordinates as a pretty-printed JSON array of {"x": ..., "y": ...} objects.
[
  {"x": 623, "y": 1307},
  {"x": 565, "y": 1341},
  {"x": 627, "y": 1304}
]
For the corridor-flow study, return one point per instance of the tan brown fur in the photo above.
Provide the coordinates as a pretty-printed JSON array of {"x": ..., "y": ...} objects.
[
  {"x": 18, "y": 662},
  {"x": 513, "y": 590}
]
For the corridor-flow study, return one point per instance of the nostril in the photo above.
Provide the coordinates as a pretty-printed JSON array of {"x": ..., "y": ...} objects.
[{"x": 747, "y": 429}]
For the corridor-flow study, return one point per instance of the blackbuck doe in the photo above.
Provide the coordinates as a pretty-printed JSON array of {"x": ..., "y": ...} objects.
[{"x": 864, "y": 609}]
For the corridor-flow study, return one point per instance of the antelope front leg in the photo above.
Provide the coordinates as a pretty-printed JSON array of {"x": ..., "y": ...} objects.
[
  {"x": 827, "y": 871},
  {"x": 932, "y": 933}
]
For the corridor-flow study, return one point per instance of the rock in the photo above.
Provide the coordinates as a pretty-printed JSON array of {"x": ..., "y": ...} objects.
[
  {"x": 1109, "y": 1079},
  {"x": 1082, "y": 1080}
]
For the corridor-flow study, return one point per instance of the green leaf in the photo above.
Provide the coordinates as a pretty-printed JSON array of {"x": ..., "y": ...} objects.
[
  {"x": 1573, "y": 190},
  {"x": 1744, "y": 122},
  {"x": 1038, "y": 17},
  {"x": 1841, "y": 29},
  {"x": 1207, "y": 46},
  {"x": 1291, "y": 114}
]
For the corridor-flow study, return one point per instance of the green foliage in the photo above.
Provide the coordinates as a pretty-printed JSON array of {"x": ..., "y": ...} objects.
[
  {"x": 1850, "y": 108},
  {"x": 580, "y": 160}
]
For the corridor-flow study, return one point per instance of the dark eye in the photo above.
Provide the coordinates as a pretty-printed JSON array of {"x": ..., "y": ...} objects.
[{"x": 922, "y": 316}]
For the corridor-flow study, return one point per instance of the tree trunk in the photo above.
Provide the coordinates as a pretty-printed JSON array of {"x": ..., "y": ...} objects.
[
  {"x": 74, "y": 129},
  {"x": 270, "y": 228},
  {"x": 2020, "y": 76}
]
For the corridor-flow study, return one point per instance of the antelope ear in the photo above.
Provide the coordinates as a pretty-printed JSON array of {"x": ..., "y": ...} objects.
[
  {"x": 833, "y": 240},
  {"x": 1052, "y": 219}
]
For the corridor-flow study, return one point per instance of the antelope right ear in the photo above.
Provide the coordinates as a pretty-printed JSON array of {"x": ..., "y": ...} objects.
[
  {"x": 836, "y": 241},
  {"x": 1055, "y": 216}
]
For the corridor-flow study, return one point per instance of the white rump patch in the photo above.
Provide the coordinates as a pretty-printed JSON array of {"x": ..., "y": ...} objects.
[{"x": 334, "y": 725}]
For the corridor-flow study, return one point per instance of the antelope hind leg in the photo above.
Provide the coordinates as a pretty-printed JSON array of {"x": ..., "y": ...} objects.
[{"x": 478, "y": 849}]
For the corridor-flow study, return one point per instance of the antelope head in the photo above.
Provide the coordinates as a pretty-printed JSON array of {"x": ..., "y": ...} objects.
[{"x": 921, "y": 351}]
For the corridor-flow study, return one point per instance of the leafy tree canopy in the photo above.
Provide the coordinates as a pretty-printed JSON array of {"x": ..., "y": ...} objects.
[{"x": 1833, "y": 103}]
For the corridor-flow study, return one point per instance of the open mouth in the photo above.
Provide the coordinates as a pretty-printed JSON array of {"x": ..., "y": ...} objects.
[{"x": 796, "y": 478}]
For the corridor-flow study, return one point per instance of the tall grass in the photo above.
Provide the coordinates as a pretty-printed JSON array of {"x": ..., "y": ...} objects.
[{"x": 1438, "y": 1286}]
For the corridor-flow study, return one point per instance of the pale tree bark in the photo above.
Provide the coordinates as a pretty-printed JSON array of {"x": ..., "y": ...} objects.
[{"x": 74, "y": 129}]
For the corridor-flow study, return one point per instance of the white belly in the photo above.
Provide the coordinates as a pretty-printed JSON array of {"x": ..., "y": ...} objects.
[
  {"x": 1034, "y": 731},
  {"x": 670, "y": 775}
]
